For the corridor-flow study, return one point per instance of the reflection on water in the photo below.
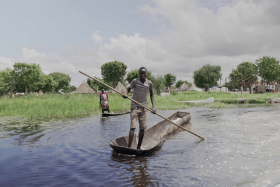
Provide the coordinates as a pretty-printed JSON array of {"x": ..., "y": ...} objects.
[
  {"x": 137, "y": 167},
  {"x": 241, "y": 148}
]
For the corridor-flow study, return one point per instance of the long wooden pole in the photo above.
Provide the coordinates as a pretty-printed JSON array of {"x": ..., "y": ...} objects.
[{"x": 141, "y": 105}]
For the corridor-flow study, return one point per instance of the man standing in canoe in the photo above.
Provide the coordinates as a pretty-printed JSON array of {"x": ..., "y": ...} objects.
[{"x": 142, "y": 86}]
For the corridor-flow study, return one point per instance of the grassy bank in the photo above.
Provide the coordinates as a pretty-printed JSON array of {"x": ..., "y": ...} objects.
[
  {"x": 61, "y": 106},
  {"x": 58, "y": 106},
  {"x": 222, "y": 99}
]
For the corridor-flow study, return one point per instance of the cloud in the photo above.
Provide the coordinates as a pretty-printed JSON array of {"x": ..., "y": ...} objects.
[
  {"x": 215, "y": 33},
  {"x": 234, "y": 32},
  {"x": 48, "y": 63},
  {"x": 76, "y": 58},
  {"x": 96, "y": 36},
  {"x": 31, "y": 54},
  {"x": 6, "y": 62}
]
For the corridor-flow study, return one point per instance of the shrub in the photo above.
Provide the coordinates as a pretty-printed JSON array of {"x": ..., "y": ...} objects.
[{"x": 174, "y": 92}]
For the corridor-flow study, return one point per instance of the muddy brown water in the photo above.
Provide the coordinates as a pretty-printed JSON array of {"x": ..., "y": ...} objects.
[{"x": 241, "y": 148}]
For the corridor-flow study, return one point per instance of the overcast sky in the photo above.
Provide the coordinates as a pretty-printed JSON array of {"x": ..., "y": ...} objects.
[{"x": 165, "y": 36}]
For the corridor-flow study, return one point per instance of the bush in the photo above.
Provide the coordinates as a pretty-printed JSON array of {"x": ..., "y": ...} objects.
[{"x": 173, "y": 92}]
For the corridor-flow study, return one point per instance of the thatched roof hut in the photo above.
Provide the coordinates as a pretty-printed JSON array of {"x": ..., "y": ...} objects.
[
  {"x": 193, "y": 87},
  {"x": 256, "y": 83},
  {"x": 120, "y": 88},
  {"x": 84, "y": 88},
  {"x": 184, "y": 86},
  {"x": 261, "y": 89}
]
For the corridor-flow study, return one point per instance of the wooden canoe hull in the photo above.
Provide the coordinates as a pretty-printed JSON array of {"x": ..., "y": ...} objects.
[{"x": 153, "y": 138}]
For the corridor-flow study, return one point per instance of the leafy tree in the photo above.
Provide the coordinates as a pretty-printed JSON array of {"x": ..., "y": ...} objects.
[
  {"x": 231, "y": 86},
  {"x": 246, "y": 71},
  {"x": 39, "y": 85},
  {"x": 133, "y": 74},
  {"x": 8, "y": 80},
  {"x": 34, "y": 73},
  {"x": 45, "y": 83},
  {"x": 69, "y": 89},
  {"x": 180, "y": 83},
  {"x": 113, "y": 72},
  {"x": 268, "y": 68},
  {"x": 158, "y": 83},
  {"x": 169, "y": 79},
  {"x": 27, "y": 75},
  {"x": 62, "y": 80},
  {"x": 235, "y": 79},
  {"x": 96, "y": 85},
  {"x": 4, "y": 87},
  {"x": 49, "y": 84},
  {"x": 207, "y": 76},
  {"x": 247, "y": 68},
  {"x": 21, "y": 76}
]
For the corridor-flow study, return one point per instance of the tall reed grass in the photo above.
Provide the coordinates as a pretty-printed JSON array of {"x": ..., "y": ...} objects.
[
  {"x": 70, "y": 105},
  {"x": 57, "y": 106}
]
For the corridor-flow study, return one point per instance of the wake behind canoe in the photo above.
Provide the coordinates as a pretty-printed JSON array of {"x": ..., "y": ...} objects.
[{"x": 153, "y": 137}]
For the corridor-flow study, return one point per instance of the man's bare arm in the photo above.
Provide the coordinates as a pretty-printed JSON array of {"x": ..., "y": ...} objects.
[
  {"x": 128, "y": 90},
  {"x": 152, "y": 100}
]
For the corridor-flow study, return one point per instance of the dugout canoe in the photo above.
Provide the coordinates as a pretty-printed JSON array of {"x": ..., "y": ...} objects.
[
  {"x": 275, "y": 184},
  {"x": 209, "y": 100},
  {"x": 153, "y": 138},
  {"x": 115, "y": 114}
]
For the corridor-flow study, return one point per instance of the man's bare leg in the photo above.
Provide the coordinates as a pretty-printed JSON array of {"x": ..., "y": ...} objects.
[
  {"x": 141, "y": 136},
  {"x": 130, "y": 137}
]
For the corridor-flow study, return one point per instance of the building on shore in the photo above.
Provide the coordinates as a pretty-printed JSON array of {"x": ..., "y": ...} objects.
[
  {"x": 84, "y": 88},
  {"x": 184, "y": 87},
  {"x": 194, "y": 87},
  {"x": 120, "y": 88}
]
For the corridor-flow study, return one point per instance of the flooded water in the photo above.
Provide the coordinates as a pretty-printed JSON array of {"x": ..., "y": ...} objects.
[{"x": 241, "y": 148}]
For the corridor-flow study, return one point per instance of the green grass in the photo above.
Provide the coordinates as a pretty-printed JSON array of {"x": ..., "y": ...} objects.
[
  {"x": 71, "y": 105},
  {"x": 57, "y": 106},
  {"x": 222, "y": 99}
]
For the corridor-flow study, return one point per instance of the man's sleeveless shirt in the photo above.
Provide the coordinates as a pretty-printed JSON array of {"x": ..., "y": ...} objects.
[{"x": 140, "y": 91}]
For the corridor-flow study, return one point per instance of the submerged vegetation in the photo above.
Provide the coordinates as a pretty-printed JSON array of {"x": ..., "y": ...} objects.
[{"x": 70, "y": 105}]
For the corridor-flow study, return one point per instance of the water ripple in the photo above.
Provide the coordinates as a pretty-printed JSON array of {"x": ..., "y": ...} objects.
[{"x": 240, "y": 149}]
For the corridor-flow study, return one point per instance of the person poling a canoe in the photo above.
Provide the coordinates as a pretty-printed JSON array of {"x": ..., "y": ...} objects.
[
  {"x": 140, "y": 104},
  {"x": 142, "y": 86},
  {"x": 104, "y": 102}
]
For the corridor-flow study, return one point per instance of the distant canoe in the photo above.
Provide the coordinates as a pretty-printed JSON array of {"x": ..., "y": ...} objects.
[
  {"x": 210, "y": 100},
  {"x": 153, "y": 138},
  {"x": 275, "y": 184},
  {"x": 115, "y": 114}
]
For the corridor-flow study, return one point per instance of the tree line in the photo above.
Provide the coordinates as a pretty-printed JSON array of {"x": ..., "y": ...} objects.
[
  {"x": 26, "y": 77},
  {"x": 267, "y": 68},
  {"x": 115, "y": 71}
]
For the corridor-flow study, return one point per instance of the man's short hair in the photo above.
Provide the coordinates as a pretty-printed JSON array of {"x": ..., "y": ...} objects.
[{"x": 143, "y": 68}]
